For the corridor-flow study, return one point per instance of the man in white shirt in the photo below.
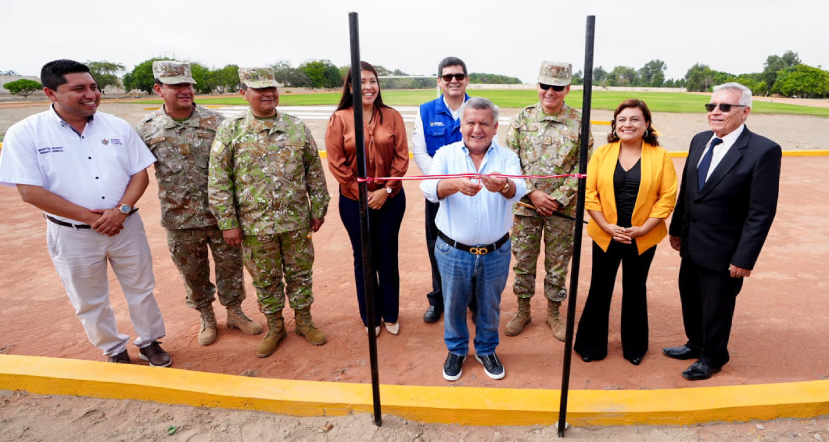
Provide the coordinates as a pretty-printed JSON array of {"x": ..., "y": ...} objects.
[
  {"x": 438, "y": 124},
  {"x": 86, "y": 170},
  {"x": 473, "y": 247}
]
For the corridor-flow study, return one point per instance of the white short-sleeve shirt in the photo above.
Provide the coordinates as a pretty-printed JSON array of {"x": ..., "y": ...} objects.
[{"x": 91, "y": 169}]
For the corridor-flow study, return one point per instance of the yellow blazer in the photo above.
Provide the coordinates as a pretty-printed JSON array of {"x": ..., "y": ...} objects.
[{"x": 656, "y": 197}]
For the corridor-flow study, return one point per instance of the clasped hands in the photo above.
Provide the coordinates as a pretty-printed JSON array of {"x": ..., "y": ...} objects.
[
  {"x": 469, "y": 188},
  {"x": 624, "y": 235},
  {"x": 110, "y": 222}
]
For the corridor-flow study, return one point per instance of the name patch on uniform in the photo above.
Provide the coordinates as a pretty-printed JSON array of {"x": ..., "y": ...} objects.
[
  {"x": 436, "y": 123},
  {"x": 115, "y": 141},
  {"x": 49, "y": 149}
]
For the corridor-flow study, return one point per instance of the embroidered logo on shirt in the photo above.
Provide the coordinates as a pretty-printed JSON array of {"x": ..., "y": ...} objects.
[
  {"x": 49, "y": 149},
  {"x": 436, "y": 123},
  {"x": 104, "y": 141},
  {"x": 115, "y": 141}
]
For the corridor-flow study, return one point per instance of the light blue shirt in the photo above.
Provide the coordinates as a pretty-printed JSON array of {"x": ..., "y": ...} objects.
[{"x": 481, "y": 219}]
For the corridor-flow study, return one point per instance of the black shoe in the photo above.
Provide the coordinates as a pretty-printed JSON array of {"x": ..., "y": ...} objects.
[
  {"x": 432, "y": 314},
  {"x": 681, "y": 353},
  {"x": 700, "y": 371},
  {"x": 636, "y": 361},
  {"x": 155, "y": 355},
  {"x": 453, "y": 367},
  {"x": 492, "y": 366},
  {"x": 120, "y": 358},
  {"x": 586, "y": 358}
]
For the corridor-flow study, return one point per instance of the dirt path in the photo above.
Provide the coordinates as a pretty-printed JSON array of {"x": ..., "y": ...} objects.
[{"x": 72, "y": 419}]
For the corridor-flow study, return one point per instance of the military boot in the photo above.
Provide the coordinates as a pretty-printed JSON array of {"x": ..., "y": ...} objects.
[
  {"x": 276, "y": 333},
  {"x": 236, "y": 319},
  {"x": 554, "y": 319},
  {"x": 305, "y": 327},
  {"x": 522, "y": 318},
  {"x": 207, "y": 332}
]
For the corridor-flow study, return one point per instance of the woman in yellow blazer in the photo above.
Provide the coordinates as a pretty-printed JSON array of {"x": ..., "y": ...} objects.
[{"x": 631, "y": 189}]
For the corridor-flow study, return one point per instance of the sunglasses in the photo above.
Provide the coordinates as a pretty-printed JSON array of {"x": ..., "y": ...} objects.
[
  {"x": 545, "y": 87},
  {"x": 448, "y": 77},
  {"x": 724, "y": 107}
]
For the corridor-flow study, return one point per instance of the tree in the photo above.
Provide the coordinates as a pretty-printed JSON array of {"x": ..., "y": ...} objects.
[
  {"x": 481, "y": 78},
  {"x": 599, "y": 76},
  {"x": 290, "y": 76},
  {"x": 774, "y": 64},
  {"x": 205, "y": 80},
  {"x": 23, "y": 87},
  {"x": 653, "y": 73},
  {"x": 699, "y": 78},
  {"x": 106, "y": 73},
  {"x": 141, "y": 77},
  {"x": 9, "y": 72},
  {"x": 578, "y": 78},
  {"x": 226, "y": 79},
  {"x": 382, "y": 71},
  {"x": 322, "y": 73},
  {"x": 802, "y": 81},
  {"x": 623, "y": 76}
]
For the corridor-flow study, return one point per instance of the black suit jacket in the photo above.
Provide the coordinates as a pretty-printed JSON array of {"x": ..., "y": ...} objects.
[{"x": 728, "y": 221}]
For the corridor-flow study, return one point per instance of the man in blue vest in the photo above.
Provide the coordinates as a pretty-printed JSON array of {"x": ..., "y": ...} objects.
[{"x": 438, "y": 124}]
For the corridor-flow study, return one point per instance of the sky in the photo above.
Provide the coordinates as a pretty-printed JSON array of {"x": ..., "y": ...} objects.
[{"x": 507, "y": 37}]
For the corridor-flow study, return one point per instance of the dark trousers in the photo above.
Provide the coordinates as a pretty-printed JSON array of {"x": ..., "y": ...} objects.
[
  {"x": 436, "y": 295},
  {"x": 708, "y": 301},
  {"x": 385, "y": 229},
  {"x": 591, "y": 338}
]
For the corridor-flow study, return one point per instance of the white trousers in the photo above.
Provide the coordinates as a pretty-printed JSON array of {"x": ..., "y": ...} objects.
[{"x": 81, "y": 256}]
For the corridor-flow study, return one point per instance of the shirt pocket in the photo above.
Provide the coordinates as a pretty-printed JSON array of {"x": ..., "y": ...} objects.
[{"x": 436, "y": 131}]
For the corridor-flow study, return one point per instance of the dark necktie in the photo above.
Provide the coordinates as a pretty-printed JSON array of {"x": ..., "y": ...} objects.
[{"x": 705, "y": 164}]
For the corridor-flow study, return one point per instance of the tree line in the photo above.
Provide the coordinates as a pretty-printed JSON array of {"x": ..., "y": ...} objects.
[{"x": 782, "y": 74}]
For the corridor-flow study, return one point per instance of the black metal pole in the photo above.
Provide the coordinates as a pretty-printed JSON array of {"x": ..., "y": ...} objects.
[
  {"x": 574, "y": 272},
  {"x": 368, "y": 270}
]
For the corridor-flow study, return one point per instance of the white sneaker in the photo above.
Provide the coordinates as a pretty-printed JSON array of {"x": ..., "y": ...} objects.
[
  {"x": 376, "y": 331},
  {"x": 393, "y": 328}
]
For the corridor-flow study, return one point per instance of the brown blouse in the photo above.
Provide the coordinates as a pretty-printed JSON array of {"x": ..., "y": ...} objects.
[{"x": 387, "y": 150}]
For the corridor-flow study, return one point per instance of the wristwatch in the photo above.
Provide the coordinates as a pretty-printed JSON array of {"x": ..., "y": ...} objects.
[
  {"x": 505, "y": 189},
  {"x": 125, "y": 209},
  {"x": 388, "y": 190}
]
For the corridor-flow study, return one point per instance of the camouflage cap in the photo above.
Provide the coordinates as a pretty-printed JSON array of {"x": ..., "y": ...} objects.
[
  {"x": 555, "y": 73},
  {"x": 257, "y": 78},
  {"x": 172, "y": 72}
]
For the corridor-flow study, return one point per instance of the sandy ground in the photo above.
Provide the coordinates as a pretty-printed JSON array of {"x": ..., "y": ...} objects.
[
  {"x": 90, "y": 420},
  {"x": 782, "y": 313}
]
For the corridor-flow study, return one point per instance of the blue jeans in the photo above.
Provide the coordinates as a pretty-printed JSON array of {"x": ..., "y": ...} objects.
[{"x": 464, "y": 276}]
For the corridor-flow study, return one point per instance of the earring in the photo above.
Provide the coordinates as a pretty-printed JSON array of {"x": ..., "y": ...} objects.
[
  {"x": 614, "y": 134},
  {"x": 646, "y": 134}
]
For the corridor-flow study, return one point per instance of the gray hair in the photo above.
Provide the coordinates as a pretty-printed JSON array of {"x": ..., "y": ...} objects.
[
  {"x": 479, "y": 103},
  {"x": 745, "y": 93}
]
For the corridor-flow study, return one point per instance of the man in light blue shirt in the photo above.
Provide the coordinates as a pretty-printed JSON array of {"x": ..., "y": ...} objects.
[{"x": 473, "y": 246}]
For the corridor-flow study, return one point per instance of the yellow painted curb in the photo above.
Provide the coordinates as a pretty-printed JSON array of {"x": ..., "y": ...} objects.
[{"x": 460, "y": 405}]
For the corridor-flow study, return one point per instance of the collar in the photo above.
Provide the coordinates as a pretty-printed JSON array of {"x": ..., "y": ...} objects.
[
  {"x": 56, "y": 117},
  {"x": 492, "y": 145},
  {"x": 730, "y": 138},
  {"x": 558, "y": 118},
  {"x": 170, "y": 122},
  {"x": 253, "y": 124}
]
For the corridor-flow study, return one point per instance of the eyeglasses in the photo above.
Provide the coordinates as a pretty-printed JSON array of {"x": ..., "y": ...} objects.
[
  {"x": 448, "y": 77},
  {"x": 724, "y": 107},
  {"x": 545, "y": 87}
]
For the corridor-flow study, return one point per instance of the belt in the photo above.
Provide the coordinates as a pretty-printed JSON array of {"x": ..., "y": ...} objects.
[
  {"x": 475, "y": 250},
  {"x": 77, "y": 226}
]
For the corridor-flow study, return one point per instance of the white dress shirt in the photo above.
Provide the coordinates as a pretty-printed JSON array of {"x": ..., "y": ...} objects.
[
  {"x": 721, "y": 149},
  {"x": 486, "y": 217}
]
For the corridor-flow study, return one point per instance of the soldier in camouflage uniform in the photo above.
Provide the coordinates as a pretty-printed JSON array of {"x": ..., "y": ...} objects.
[
  {"x": 546, "y": 137},
  {"x": 179, "y": 135},
  {"x": 267, "y": 189}
]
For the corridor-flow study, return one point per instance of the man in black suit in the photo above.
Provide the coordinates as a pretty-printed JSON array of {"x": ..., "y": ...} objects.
[{"x": 727, "y": 202}]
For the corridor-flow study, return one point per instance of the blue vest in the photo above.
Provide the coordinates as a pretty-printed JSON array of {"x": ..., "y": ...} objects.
[{"x": 439, "y": 128}]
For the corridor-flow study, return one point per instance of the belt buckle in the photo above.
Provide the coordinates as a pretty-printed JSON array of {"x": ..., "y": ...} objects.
[{"x": 478, "y": 250}]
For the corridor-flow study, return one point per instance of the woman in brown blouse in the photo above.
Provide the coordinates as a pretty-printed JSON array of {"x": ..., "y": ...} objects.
[{"x": 387, "y": 155}]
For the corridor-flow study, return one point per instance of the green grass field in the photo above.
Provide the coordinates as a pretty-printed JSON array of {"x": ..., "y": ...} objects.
[{"x": 657, "y": 101}]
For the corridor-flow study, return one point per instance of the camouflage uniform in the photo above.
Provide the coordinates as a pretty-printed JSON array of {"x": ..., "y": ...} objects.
[
  {"x": 183, "y": 151},
  {"x": 546, "y": 145},
  {"x": 266, "y": 178}
]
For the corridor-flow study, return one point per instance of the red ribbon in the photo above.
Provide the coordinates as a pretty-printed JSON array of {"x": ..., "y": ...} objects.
[{"x": 474, "y": 176}]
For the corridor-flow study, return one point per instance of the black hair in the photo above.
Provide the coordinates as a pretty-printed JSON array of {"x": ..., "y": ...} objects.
[
  {"x": 451, "y": 61},
  {"x": 53, "y": 73},
  {"x": 347, "y": 100}
]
